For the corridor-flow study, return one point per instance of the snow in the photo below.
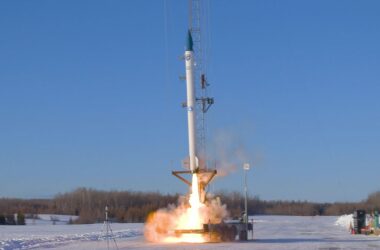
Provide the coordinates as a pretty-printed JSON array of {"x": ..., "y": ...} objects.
[
  {"x": 52, "y": 236},
  {"x": 270, "y": 232},
  {"x": 345, "y": 221},
  {"x": 48, "y": 219}
]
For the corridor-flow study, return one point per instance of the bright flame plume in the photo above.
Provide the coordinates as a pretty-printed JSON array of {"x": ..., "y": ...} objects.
[
  {"x": 161, "y": 225},
  {"x": 192, "y": 218}
]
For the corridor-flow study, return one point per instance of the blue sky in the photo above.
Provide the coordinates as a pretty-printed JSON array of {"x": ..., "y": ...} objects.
[{"x": 90, "y": 96}]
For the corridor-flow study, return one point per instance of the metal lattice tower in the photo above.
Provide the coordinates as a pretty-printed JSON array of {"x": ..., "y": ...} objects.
[{"x": 196, "y": 16}]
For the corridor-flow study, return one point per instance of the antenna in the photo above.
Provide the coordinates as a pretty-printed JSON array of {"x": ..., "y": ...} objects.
[{"x": 108, "y": 230}]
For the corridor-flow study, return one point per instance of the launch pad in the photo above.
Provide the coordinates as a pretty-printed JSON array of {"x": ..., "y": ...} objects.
[
  {"x": 220, "y": 232},
  {"x": 205, "y": 175}
]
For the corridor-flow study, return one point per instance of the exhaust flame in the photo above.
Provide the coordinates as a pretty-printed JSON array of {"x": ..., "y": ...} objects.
[
  {"x": 191, "y": 219},
  {"x": 161, "y": 225}
]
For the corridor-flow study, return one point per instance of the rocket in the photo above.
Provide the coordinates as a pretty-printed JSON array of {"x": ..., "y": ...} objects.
[
  {"x": 190, "y": 104},
  {"x": 195, "y": 168}
]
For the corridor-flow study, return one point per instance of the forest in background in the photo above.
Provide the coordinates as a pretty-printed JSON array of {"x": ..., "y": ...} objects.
[{"x": 132, "y": 206}]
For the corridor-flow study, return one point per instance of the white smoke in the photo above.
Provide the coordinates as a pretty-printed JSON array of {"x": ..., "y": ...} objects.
[{"x": 230, "y": 152}]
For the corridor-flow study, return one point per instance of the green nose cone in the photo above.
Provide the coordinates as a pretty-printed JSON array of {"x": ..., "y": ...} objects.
[{"x": 189, "y": 42}]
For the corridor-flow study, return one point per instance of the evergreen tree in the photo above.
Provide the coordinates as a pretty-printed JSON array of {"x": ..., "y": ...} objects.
[
  {"x": 10, "y": 219},
  {"x": 2, "y": 219},
  {"x": 20, "y": 218}
]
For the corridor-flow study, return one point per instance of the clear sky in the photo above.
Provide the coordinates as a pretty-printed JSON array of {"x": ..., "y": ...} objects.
[{"x": 90, "y": 96}]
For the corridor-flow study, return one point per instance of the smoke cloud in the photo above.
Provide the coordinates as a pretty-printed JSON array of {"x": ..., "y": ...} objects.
[{"x": 230, "y": 152}]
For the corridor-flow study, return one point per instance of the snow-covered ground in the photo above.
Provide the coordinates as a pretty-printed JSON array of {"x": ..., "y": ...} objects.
[
  {"x": 67, "y": 236},
  {"x": 270, "y": 232},
  {"x": 345, "y": 221}
]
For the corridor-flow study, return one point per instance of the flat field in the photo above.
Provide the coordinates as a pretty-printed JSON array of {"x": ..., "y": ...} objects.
[{"x": 270, "y": 232}]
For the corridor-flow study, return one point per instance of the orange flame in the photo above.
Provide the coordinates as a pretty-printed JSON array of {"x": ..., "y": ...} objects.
[
  {"x": 192, "y": 218},
  {"x": 162, "y": 224}
]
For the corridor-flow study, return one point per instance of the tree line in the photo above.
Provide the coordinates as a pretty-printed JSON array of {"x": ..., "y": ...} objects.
[
  {"x": 12, "y": 219},
  {"x": 132, "y": 206}
]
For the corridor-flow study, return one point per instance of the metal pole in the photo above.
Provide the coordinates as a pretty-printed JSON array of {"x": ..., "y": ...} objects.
[
  {"x": 246, "y": 198},
  {"x": 246, "y": 167},
  {"x": 107, "y": 233},
  {"x": 252, "y": 228}
]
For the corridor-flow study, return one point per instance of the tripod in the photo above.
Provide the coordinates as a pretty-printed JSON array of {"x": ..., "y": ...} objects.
[{"x": 108, "y": 231}]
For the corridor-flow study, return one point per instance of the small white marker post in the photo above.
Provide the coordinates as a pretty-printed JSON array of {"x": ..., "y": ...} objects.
[
  {"x": 107, "y": 231},
  {"x": 246, "y": 167}
]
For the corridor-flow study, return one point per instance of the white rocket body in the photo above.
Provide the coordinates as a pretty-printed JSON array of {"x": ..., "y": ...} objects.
[{"x": 191, "y": 109}]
